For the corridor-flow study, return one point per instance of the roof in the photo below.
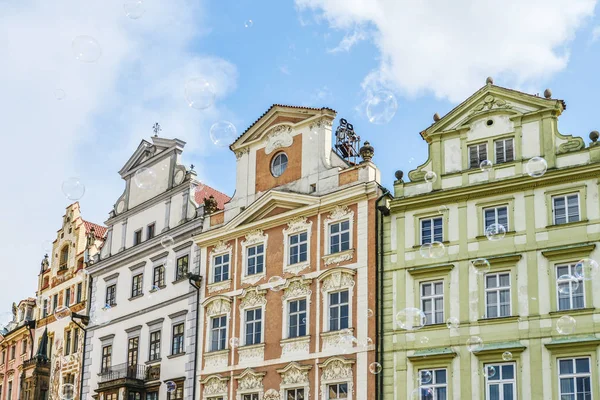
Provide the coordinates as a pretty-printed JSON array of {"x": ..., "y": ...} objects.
[
  {"x": 99, "y": 230},
  {"x": 208, "y": 191}
]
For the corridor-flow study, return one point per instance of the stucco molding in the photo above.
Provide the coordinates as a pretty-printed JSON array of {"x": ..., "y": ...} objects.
[
  {"x": 217, "y": 305},
  {"x": 578, "y": 251},
  {"x": 215, "y": 386},
  {"x": 337, "y": 278},
  {"x": 216, "y": 359},
  {"x": 252, "y": 297},
  {"x": 278, "y": 137},
  {"x": 296, "y": 287},
  {"x": 251, "y": 353},
  {"x": 249, "y": 380}
]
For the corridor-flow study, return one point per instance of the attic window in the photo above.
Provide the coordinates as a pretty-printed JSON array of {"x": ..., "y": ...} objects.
[
  {"x": 489, "y": 122},
  {"x": 279, "y": 164}
]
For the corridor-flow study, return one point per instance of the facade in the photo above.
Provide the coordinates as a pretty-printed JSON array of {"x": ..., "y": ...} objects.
[
  {"x": 142, "y": 335},
  {"x": 15, "y": 350},
  {"x": 502, "y": 328},
  {"x": 62, "y": 291},
  {"x": 288, "y": 266}
]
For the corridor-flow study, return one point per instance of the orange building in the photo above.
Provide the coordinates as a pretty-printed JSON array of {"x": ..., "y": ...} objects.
[{"x": 289, "y": 265}]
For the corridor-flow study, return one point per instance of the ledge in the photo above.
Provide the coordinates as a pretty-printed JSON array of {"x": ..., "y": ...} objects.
[
  {"x": 418, "y": 246},
  {"x": 133, "y": 329},
  {"x": 136, "y": 297},
  {"x": 572, "y": 343},
  {"x": 509, "y": 233},
  {"x": 159, "y": 256},
  {"x": 178, "y": 314},
  {"x": 575, "y": 311},
  {"x": 183, "y": 279},
  {"x": 498, "y": 320},
  {"x": 566, "y": 225},
  {"x": 339, "y": 257},
  {"x": 152, "y": 362},
  {"x": 176, "y": 355},
  {"x": 441, "y": 353},
  {"x": 111, "y": 277},
  {"x": 575, "y": 251},
  {"x": 493, "y": 349},
  {"x": 430, "y": 269},
  {"x": 328, "y": 334},
  {"x": 155, "y": 322},
  {"x": 218, "y": 286},
  {"x": 304, "y": 338},
  {"x": 137, "y": 266}
]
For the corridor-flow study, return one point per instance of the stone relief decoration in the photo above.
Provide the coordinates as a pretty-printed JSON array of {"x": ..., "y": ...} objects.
[
  {"x": 337, "y": 279},
  {"x": 250, "y": 380},
  {"x": 214, "y": 386},
  {"x": 417, "y": 175},
  {"x": 271, "y": 394},
  {"x": 293, "y": 375},
  {"x": 279, "y": 137},
  {"x": 338, "y": 213},
  {"x": 251, "y": 353},
  {"x": 296, "y": 346},
  {"x": 255, "y": 237},
  {"x": 490, "y": 102},
  {"x": 572, "y": 144},
  {"x": 239, "y": 154},
  {"x": 216, "y": 361},
  {"x": 297, "y": 224},
  {"x": 252, "y": 297},
  {"x": 335, "y": 369},
  {"x": 221, "y": 247},
  {"x": 297, "y": 287},
  {"x": 323, "y": 122},
  {"x": 217, "y": 305}
]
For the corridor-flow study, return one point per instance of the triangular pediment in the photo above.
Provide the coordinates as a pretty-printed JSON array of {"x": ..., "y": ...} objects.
[
  {"x": 147, "y": 151},
  {"x": 491, "y": 99}
]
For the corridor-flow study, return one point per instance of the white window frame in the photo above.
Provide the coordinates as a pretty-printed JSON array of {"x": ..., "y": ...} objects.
[
  {"x": 431, "y": 219},
  {"x": 219, "y": 250},
  {"x": 298, "y": 245},
  {"x": 339, "y": 214},
  {"x": 340, "y": 233},
  {"x": 571, "y": 267},
  {"x": 328, "y": 307},
  {"x": 495, "y": 208},
  {"x": 565, "y": 197},
  {"x": 575, "y": 375},
  {"x": 275, "y": 157},
  {"x": 210, "y": 332},
  {"x": 296, "y": 226},
  {"x": 348, "y": 389},
  {"x": 433, "y": 384},
  {"x": 214, "y": 265},
  {"x": 247, "y": 257},
  {"x": 479, "y": 160},
  {"x": 296, "y": 388},
  {"x": 335, "y": 280},
  {"x": 262, "y": 325},
  {"x": 501, "y": 382},
  {"x": 504, "y": 153},
  {"x": 287, "y": 317},
  {"x": 432, "y": 297},
  {"x": 304, "y": 293},
  {"x": 498, "y": 290}
]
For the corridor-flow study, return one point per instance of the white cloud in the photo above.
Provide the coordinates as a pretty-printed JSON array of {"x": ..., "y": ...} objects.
[
  {"x": 349, "y": 41},
  {"x": 110, "y": 106},
  {"x": 449, "y": 47}
]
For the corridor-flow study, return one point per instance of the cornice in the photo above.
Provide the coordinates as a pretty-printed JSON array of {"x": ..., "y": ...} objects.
[{"x": 577, "y": 250}]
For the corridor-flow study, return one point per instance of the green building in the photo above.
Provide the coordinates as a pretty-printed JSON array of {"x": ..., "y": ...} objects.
[{"x": 511, "y": 312}]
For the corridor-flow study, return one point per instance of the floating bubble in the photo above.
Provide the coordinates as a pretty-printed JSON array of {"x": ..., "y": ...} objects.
[
  {"x": 234, "y": 342},
  {"x": 486, "y": 165},
  {"x": 424, "y": 340},
  {"x": 382, "y": 107},
  {"x": 474, "y": 344},
  {"x": 199, "y": 93},
  {"x": 83, "y": 272},
  {"x": 370, "y": 313},
  {"x": 73, "y": 189},
  {"x": 425, "y": 250},
  {"x": 443, "y": 210},
  {"x": 346, "y": 341},
  {"x": 507, "y": 356},
  {"x": 481, "y": 266},
  {"x": 167, "y": 242},
  {"x": 567, "y": 283},
  {"x": 86, "y": 49},
  {"x": 145, "y": 178},
  {"x": 171, "y": 386},
  {"x": 134, "y": 9},
  {"x": 62, "y": 312},
  {"x": 425, "y": 377},
  {"x": 489, "y": 371},
  {"x": 276, "y": 283},
  {"x": 495, "y": 232},
  {"x": 101, "y": 316},
  {"x": 452, "y": 323},
  {"x": 223, "y": 133},
  {"x": 411, "y": 319},
  {"x": 59, "y": 94},
  {"x": 536, "y": 167},
  {"x": 437, "y": 250},
  {"x": 586, "y": 269},
  {"x": 430, "y": 177},
  {"x": 421, "y": 393},
  {"x": 375, "y": 368},
  {"x": 367, "y": 343},
  {"x": 66, "y": 391},
  {"x": 566, "y": 325},
  {"x": 248, "y": 24}
]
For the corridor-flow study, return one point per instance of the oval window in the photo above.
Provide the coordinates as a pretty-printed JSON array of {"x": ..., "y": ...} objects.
[{"x": 279, "y": 164}]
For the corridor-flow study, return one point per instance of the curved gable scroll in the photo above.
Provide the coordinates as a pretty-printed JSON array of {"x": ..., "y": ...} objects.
[
  {"x": 215, "y": 386},
  {"x": 337, "y": 278},
  {"x": 217, "y": 305}
]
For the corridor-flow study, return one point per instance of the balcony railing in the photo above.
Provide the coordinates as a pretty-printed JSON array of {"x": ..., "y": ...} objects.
[{"x": 123, "y": 371}]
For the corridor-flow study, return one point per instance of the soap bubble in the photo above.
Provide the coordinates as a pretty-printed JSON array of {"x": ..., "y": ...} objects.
[
  {"x": 367, "y": 343},
  {"x": 382, "y": 107},
  {"x": 495, "y": 232},
  {"x": 566, "y": 325},
  {"x": 430, "y": 177},
  {"x": 62, "y": 312},
  {"x": 145, "y": 178},
  {"x": 536, "y": 167},
  {"x": 73, "y": 189},
  {"x": 101, "y": 316},
  {"x": 452, "y": 323},
  {"x": 167, "y": 242},
  {"x": 199, "y": 93},
  {"x": 375, "y": 368},
  {"x": 223, "y": 133},
  {"x": 507, "y": 356},
  {"x": 134, "y": 9},
  {"x": 489, "y": 371},
  {"x": 346, "y": 341},
  {"x": 59, "y": 94},
  {"x": 411, "y": 319},
  {"x": 421, "y": 393},
  {"x": 248, "y": 24},
  {"x": 425, "y": 377},
  {"x": 370, "y": 313},
  {"x": 171, "y": 386},
  {"x": 276, "y": 283},
  {"x": 474, "y": 344},
  {"x": 481, "y": 266},
  {"x": 486, "y": 165},
  {"x": 86, "y": 49},
  {"x": 424, "y": 340},
  {"x": 567, "y": 283},
  {"x": 586, "y": 269},
  {"x": 66, "y": 391},
  {"x": 432, "y": 250},
  {"x": 234, "y": 342},
  {"x": 443, "y": 209}
]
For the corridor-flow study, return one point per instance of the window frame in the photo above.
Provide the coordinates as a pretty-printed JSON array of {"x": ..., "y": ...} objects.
[
  {"x": 565, "y": 197},
  {"x": 498, "y": 289},
  {"x": 432, "y": 220},
  {"x": 339, "y": 234},
  {"x": 504, "y": 140},
  {"x": 433, "y": 385},
  {"x": 298, "y": 245},
  {"x": 297, "y": 226},
  {"x": 160, "y": 280},
  {"x": 221, "y": 329},
  {"x": 106, "y": 359},
  {"x": 582, "y": 284},
  {"x": 133, "y": 351},
  {"x": 214, "y": 265},
  {"x": 67, "y": 348},
  {"x": 254, "y": 322},
  {"x": 339, "y": 306},
  {"x": 338, "y": 384},
  {"x": 180, "y": 271},
  {"x": 67, "y": 297},
  {"x": 178, "y": 337},
  {"x": 137, "y": 237},
  {"x": 433, "y": 297},
  {"x": 272, "y": 166},
  {"x": 297, "y": 313},
  {"x": 150, "y": 230},
  {"x": 496, "y": 218},
  {"x": 480, "y": 160},
  {"x": 501, "y": 382},
  {"x": 79, "y": 293},
  {"x": 255, "y": 257},
  {"x": 154, "y": 345},
  {"x": 575, "y": 375},
  {"x": 137, "y": 285},
  {"x": 296, "y": 389},
  {"x": 111, "y": 295}
]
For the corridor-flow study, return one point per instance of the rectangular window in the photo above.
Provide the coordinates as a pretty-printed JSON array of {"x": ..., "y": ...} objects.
[
  {"x": 575, "y": 378},
  {"x": 298, "y": 248},
  {"x": 504, "y": 150},
  {"x": 495, "y": 215},
  {"x": 75, "y": 340},
  {"x": 152, "y": 396},
  {"x": 502, "y": 385},
  {"x": 221, "y": 268},
  {"x": 218, "y": 333},
  {"x": 9, "y": 390},
  {"x": 297, "y": 318},
  {"x": 45, "y": 309},
  {"x": 497, "y": 295},
  {"x": 24, "y": 346},
  {"x": 54, "y": 302},
  {"x": 565, "y": 208},
  {"x": 477, "y": 154},
  {"x": 177, "y": 345},
  {"x": 132, "y": 351},
  {"x": 569, "y": 293},
  {"x": 437, "y": 386},
  {"x": 150, "y": 231},
  {"x": 111, "y": 295},
  {"x": 134, "y": 396},
  {"x": 67, "y": 297},
  {"x": 337, "y": 391},
  {"x": 106, "y": 358},
  {"x": 154, "y": 353},
  {"x": 432, "y": 302},
  {"x": 111, "y": 396},
  {"x": 182, "y": 267},
  {"x": 338, "y": 310},
  {"x": 294, "y": 394},
  {"x": 432, "y": 230},
  {"x": 339, "y": 236},
  {"x": 136, "y": 285},
  {"x": 255, "y": 259},
  {"x": 250, "y": 396},
  {"x": 137, "y": 237},
  {"x": 79, "y": 294},
  {"x": 67, "y": 342},
  {"x": 158, "y": 276},
  {"x": 13, "y": 351},
  {"x": 253, "y": 326},
  {"x": 177, "y": 394}
]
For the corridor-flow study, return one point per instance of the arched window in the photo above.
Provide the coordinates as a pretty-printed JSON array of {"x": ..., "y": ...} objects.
[{"x": 64, "y": 256}]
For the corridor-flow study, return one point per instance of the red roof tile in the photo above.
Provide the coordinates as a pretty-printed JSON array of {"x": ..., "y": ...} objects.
[
  {"x": 206, "y": 191},
  {"x": 99, "y": 230}
]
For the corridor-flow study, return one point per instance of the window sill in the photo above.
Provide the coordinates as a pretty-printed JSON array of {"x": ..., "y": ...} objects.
[
  {"x": 253, "y": 279},
  {"x": 296, "y": 339},
  {"x": 251, "y": 346},
  {"x": 159, "y": 288},
  {"x": 509, "y": 233},
  {"x": 152, "y": 362},
  {"x": 418, "y": 246},
  {"x": 498, "y": 320},
  {"x": 567, "y": 224},
  {"x": 336, "y": 258},
  {"x": 136, "y": 297},
  {"x": 218, "y": 286},
  {"x": 431, "y": 327},
  {"x": 574, "y": 311},
  {"x": 176, "y": 355},
  {"x": 214, "y": 353},
  {"x": 297, "y": 267},
  {"x": 329, "y": 334},
  {"x": 182, "y": 279}
]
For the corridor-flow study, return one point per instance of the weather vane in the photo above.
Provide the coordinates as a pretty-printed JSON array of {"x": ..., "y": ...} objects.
[{"x": 156, "y": 127}]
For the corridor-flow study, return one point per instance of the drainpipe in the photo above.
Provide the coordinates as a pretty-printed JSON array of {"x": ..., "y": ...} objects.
[
  {"x": 83, "y": 318},
  {"x": 379, "y": 289},
  {"x": 195, "y": 280}
]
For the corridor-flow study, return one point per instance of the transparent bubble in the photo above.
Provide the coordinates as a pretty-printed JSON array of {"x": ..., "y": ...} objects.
[
  {"x": 59, "y": 94},
  {"x": 375, "y": 368},
  {"x": 565, "y": 325},
  {"x": 199, "y": 93},
  {"x": 101, "y": 316},
  {"x": 223, "y": 133},
  {"x": 507, "y": 356},
  {"x": 368, "y": 342},
  {"x": 248, "y": 23},
  {"x": 234, "y": 342},
  {"x": 145, "y": 178},
  {"x": 443, "y": 210},
  {"x": 370, "y": 313},
  {"x": 486, "y": 165},
  {"x": 134, "y": 9},
  {"x": 421, "y": 393},
  {"x": 83, "y": 272},
  {"x": 62, "y": 312},
  {"x": 276, "y": 283},
  {"x": 346, "y": 342},
  {"x": 86, "y": 49},
  {"x": 536, "y": 167},
  {"x": 425, "y": 250},
  {"x": 382, "y": 107},
  {"x": 73, "y": 189},
  {"x": 586, "y": 269},
  {"x": 425, "y": 377},
  {"x": 430, "y": 177},
  {"x": 474, "y": 344},
  {"x": 411, "y": 319},
  {"x": 481, "y": 266},
  {"x": 567, "y": 284},
  {"x": 437, "y": 250},
  {"x": 424, "y": 340},
  {"x": 167, "y": 242},
  {"x": 489, "y": 371},
  {"x": 66, "y": 391},
  {"x": 495, "y": 232},
  {"x": 171, "y": 386},
  {"x": 452, "y": 323}
]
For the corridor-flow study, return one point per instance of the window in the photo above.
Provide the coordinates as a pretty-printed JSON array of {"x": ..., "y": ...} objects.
[
  {"x": 338, "y": 310},
  {"x": 575, "y": 378},
  {"x": 298, "y": 245},
  {"x": 495, "y": 215},
  {"x": 9, "y": 390},
  {"x": 182, "y": 267},
  {"x": 177, "y": 394},
  {"x": 137, "y": 237},
  {"x": 150, "y": 229},
  {"x": 80, "y": 264},
  {"x": 572, "y": 297},
  {"x": 432, "y": 230},
  {"x": 221, "y": 268},
  {"x": 253, "y": 326},
  {"x": 218, "y": 333},
  {"x": 132, "y": 351},
  {"x": 337, "y": 391},
  {"x": 75, "y": 340},
  {"x": 111, "y": 295},
  {"x": 134, "y": 396},
  {"x": 67, "y": 342},
  {"x": 64, "y": 257},
  {"x": 502, "y": 385},
  {"x": 13, "y": 351},
  {"x": 279, "y": 164},
  {"x": 297, "y": 318},
  {"x": 136, "y": 285},
  {"x": 477, "y": 154},
  {"x": 177, "y": 345},
  {"x": 24, "y": 346},
  {"x": 432, "y": 302},
  {"x": 152, "y": 396},
  {"x": 67, "y": 297},
  {"x": 255, "y": 259},
  {"x": 79, "y": 294},
  {"x": 106, "y": 358},
  {"x": 497, "y": 295},
  {"x": 158, "y": 277},
  {"x": 250, "y": 396},
  {"x": 154, "y": 353},
  {"x": 3, "y": 356},
  {"x": 45, "y": 309},
  {"x": 437, "y": 386},
  {"x": 111, "y": 396},
  {"x": 294, "y": 394},
  {"x": 504, "y": 150},
  {"x": 339, "y": 236},
  {"x": 565, "y": 209},
  {"x": 54, "y": 302}
]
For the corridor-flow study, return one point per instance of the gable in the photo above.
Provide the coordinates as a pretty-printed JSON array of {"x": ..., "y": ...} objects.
[{"x": 146, "y": 151}]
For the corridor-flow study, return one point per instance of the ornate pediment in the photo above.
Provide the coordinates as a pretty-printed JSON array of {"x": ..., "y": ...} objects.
[
  {"x": 217, "y": 305},
  {"x": 298, "y": 224},
  {"x": 297, "y": 287},
  {"x": 490, "y": 102},
  {"x": 271, "y": 394},
  {"x": 254, "y": 237},
  {"x": 294, "y": 373},
  {"x": 215, "y": 385},
  {"x": 250, "y": 380},
  {"x": 252, "y": 297},
  {"x": 221, "y": 247},
  {"x": 338, "y": 213},
  {"x": 279, "y": 137},
  {"x": 337, "y": 278},
  {"x": 337, "y": 368}
]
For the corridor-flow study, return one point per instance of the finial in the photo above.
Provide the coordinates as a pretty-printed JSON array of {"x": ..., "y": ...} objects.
[
  {"x": 489, "y": 80},
  {"x": 192, "y": 167},
  {"x": 594, "y": 137},
  {"x": 547, "y": 93},
  {"x": 156, "y": 128},
  {"x": 399, "y": 174},
  {"x": 367, "y": 152},
  {"x": 436, "y": 117}
]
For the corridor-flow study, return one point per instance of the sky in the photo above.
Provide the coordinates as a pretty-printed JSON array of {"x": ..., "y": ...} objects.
[{"x": 65, "y": 118}]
